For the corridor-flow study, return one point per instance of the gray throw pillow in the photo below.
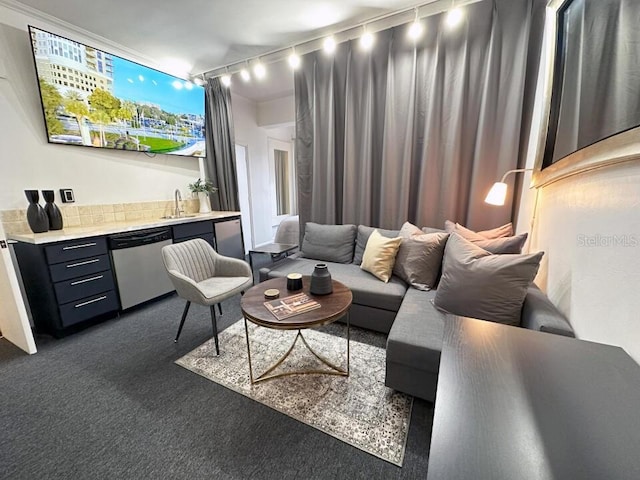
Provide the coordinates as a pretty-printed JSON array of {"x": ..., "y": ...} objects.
[
  {"x": 477, "y": 284},
  {"x": 409, "y": 229},
  {"x": 331, "y": 243},
  {"x": 504, "y": 244},
  {"x": 364, "y": 233},
  {"x": 419, "y": 259}
]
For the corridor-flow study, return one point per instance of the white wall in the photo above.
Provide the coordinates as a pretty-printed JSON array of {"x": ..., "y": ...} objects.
[
  {"x": 589, "y": 228},
  {"x": 588, "y": 225},
  {"x": 277, "y": 112},
  {"x": 28, "y": 161},
  {"x": 249, "y": 133}
]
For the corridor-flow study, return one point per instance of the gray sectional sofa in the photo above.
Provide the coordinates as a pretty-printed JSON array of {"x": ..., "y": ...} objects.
[{"x": 413, "y": 324}]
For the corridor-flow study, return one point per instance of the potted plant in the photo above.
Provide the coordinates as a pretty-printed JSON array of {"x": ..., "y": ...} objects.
[{"x": 202, "y": 188}]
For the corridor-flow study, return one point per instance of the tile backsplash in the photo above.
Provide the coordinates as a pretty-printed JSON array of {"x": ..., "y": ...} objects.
[{"x": 15, "y": 221}]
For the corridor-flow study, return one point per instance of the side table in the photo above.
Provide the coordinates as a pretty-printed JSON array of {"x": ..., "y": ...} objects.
[{"x": 274, "y": 249}]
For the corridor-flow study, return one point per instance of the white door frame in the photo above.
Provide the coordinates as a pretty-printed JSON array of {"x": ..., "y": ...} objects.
[{"x": 14, "y": 321}]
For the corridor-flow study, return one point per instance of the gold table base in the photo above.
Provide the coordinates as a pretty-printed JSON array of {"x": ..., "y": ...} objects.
[{"x": 335, "y": 370}]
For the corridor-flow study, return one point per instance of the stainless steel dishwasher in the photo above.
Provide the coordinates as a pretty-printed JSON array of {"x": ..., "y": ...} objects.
[{"x": 137, "y": 263}]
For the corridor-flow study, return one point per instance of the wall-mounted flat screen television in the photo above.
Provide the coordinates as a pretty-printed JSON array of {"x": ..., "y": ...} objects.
[{"x": 96, "y": 99}]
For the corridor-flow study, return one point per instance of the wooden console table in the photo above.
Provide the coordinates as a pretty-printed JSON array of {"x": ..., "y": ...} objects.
[{"x": 518, "y": 404}]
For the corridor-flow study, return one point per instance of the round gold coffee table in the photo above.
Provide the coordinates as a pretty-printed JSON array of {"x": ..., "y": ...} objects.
[{"x": 332, "y": 307}]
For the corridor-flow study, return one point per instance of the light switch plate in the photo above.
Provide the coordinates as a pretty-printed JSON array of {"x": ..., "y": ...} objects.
[{"x": 66, "y": 194}]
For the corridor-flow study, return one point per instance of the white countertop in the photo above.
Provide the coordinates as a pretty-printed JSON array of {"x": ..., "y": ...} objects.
[{"x": 74, "y": 233}]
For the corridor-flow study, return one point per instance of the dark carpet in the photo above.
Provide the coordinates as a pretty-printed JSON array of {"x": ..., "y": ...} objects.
[{"x": 109, "y": 402}]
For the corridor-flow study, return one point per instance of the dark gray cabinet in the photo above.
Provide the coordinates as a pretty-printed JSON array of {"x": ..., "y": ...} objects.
[
  {"x": 67, "y": 282},
  {"x": 189, "y": 231},
  {"x": 71, "y": 282}
]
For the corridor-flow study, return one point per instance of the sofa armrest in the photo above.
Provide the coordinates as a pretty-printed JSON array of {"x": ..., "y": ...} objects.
[{"x": 538, "y": 313}]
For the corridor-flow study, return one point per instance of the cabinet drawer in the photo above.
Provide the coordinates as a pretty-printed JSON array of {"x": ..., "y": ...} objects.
[
  {"x": 194, "y": 229},
  {"x": 76, "y": 288},
  {"x": 207, "y": 237},
  {"x": 74, "y": 250},
  {"x": 88, "y": 307},
  {"x": 79, "y": 268}
]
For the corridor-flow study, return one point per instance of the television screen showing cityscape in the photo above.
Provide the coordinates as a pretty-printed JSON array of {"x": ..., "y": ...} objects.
[{"x": 96, "y": 99}]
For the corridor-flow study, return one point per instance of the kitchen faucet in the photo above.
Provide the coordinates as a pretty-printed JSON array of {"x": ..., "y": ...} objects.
[{"x": 178, "y": 198}]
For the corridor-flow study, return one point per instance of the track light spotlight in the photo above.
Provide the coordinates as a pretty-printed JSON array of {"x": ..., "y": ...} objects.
[
  {"x": 454, "y": 17},
  {"x": 294, "y": 60},
  {"x": 329, "y": 45},
  {"x": 366, "y": 40},
  {"x": 415, "y": 30},
  {"x": 259, "y": 70}
]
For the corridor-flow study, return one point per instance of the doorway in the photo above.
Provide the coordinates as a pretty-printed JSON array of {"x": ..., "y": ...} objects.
[
  {"x": 244, "y": 195},
  {"x": 282, "y": 175}
]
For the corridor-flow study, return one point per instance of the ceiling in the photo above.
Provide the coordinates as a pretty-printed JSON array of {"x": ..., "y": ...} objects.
[{"x": 200, "y": 35}]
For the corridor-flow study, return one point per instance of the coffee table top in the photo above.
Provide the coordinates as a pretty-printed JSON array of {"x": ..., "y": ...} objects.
[{"x": 332, "y": 306}]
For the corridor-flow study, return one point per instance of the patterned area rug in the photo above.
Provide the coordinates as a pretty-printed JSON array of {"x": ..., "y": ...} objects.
[{"x": 357, "y": 409}]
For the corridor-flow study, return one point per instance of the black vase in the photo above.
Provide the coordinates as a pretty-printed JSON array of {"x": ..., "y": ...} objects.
[
  {"x": 36, "y": 216},
  {"x": 52, "y": 210},
  {"x": 321, "y": 280}
]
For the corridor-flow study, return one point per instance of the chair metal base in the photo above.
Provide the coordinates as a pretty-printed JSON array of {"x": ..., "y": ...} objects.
[{"x": 334, "y": 369}]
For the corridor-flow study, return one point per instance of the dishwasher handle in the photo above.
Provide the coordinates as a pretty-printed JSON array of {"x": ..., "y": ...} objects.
[{"x": 136, "y": 239}]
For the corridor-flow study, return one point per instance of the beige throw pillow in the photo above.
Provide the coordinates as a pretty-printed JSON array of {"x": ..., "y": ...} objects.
[
  {"x": 489, "y": 239},
  {"x": 505, "y": 230},
  {"x": 380, "y": 255}
]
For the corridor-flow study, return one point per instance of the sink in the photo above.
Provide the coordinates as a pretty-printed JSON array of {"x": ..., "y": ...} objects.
[{"x": 171, "y": 217}]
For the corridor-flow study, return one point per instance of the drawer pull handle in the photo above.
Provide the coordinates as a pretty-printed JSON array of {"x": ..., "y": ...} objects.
[
  {"x": 78, "y": 282},
  {"x": 71, "y": 265},
  {"x": 84, "y": 245},
  {"x": 99, "y": 299}
]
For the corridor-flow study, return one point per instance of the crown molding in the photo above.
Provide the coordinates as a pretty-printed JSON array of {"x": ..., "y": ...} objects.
[{"x": 67, "y": 28}]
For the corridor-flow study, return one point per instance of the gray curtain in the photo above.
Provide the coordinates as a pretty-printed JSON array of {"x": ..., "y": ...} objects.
[
  {"x": 220, "y": 164},
  {"x": 417, "y": 132},
  {"x": 599, "y": 86}
]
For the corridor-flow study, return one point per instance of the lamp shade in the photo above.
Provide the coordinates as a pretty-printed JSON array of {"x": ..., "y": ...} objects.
[{"x": 497, "y": 194}]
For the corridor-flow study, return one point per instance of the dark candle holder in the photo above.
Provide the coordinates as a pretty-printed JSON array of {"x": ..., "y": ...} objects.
[
  {"x": 36, "y": 216},
  {"x": 53, "y": 212}
]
